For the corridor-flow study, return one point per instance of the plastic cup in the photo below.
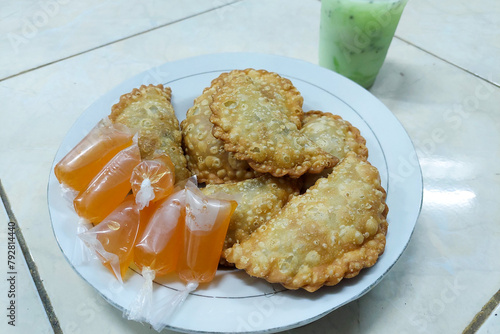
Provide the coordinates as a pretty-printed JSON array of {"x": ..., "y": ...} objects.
[{"x": 355, "y": 36}]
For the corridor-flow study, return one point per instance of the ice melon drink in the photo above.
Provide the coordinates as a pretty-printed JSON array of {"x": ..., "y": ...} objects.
[{"x": 355, "y": 36}]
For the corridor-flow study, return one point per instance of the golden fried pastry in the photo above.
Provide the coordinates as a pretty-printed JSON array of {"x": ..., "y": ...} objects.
[
  {"x": 205, "y": 154},
  {"x": 261, "y": 198},
  {"x": 258, "y": 114},
  {"x": 148, "y": 110},
  {"x": 332, "y": 231},
  {"x": 335, "y": 136}
]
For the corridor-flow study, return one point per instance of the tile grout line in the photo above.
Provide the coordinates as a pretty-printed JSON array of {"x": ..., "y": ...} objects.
[
  {"x": 448, "y": 62},
  {"x": 115, "y": 41},
  {"x": 33, "y": 269},
  {"x": 483, "y": 315}
]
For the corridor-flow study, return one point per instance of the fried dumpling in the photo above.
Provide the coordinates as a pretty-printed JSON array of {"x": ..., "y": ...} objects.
[
  {"x": 148, "y": 110},
  {"x": 334, "y": 230},
  {"x": 205, "y": 154},
  {"x": 335, "y": 136},
  {"x": 258, "y": 114},
  {"x": 261, "y": 198}
]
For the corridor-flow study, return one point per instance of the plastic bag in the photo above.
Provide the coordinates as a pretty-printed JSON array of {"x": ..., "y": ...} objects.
[
  {"x": 81, "y": 253},
  {"x": 91, "y": 154},
  {"x": 205, "y": 228},
  {"x": 153, "y": 180},
  {"x": 202, "y": 222},
  {"x": 113, "y": 239},
  {"x": 110, "y": 186},
  {"x": 156, "y": 252}
]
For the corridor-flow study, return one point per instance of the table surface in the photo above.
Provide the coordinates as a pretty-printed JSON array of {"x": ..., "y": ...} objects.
[{"x": 441, "y": 79}]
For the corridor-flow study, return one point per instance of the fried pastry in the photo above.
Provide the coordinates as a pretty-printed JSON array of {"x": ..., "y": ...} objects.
[
  {"x": 261, "y": 198},
  {"x": 205, "y": 154},
  {"x": 258, "y": 114},
  {"x": 148, "y": 110},
  {"x": 335, "y": 136},
  {"x": 334, "y": 230}
]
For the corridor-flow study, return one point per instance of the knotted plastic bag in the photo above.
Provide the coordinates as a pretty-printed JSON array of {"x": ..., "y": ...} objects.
[
  {"x": 156, "y": 252},
  {"x": 153, "y": 180}
]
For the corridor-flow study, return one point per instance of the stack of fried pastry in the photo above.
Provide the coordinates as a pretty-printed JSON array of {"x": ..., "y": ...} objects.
[{"x": 311, "y": 208}]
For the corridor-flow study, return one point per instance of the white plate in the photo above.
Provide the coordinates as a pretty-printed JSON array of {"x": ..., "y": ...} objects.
[{"x": 235, "y": 302}]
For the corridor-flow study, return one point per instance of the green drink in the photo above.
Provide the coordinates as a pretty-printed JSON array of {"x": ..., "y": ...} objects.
[{"x": 355, "y": 36}]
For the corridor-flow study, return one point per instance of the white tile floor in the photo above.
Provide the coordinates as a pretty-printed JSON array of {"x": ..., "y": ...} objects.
[
  {"x": 492, "y": 324},
  {"x": 463, "y": 33},
  {"x": 28, "y": 311},
  {"x": 451, "y": 267},
  {"x": 47, "y": 31}
]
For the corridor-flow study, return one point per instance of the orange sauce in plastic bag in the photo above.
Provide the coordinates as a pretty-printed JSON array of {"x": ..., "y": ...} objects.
[
  {"x": 91, "y": 154},
  {"x": 205, "y": 228},
  {"x": 108, "y": 189},
  {"x": 158, "y": 247},
  {"x": 114, "y": 238},
  {"x": 186, "y": 233}
]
